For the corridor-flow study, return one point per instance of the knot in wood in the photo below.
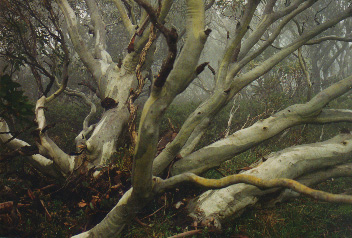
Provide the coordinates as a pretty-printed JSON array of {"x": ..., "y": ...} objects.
[{"x": 108, "y": 103}]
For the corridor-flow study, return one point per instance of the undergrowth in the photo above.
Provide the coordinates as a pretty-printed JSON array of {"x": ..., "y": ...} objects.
[{"x": 46, "y": 208}]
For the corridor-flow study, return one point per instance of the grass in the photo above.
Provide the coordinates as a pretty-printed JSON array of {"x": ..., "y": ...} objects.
[{"x": 302, "y": 217}]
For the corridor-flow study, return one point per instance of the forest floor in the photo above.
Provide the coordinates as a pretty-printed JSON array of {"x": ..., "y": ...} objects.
[{"x": 32, "y": 205}]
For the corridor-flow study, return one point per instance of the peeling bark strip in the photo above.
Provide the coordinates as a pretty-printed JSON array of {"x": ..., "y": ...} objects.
[
  {"x": 211, "y": 69},
  {"x": 179, "y": 78},
  {"x": 130, "y": 47},
  {"x": 171, "y": 37},
  {"x": 201, "y": 67},
  {"x": 168, "y": 64},
  {"x": 141, "y": 81}
]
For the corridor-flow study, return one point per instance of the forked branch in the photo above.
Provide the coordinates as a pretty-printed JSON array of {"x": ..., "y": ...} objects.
[{"x": 46, "y": 146}]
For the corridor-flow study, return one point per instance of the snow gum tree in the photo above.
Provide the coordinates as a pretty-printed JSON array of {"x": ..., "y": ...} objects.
[{"x": 257, "y": 27}]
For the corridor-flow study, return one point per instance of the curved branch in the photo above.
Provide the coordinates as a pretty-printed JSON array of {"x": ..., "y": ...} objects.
[
  {"x": 81, "y": 138},
  {"x": 46, "y": 146},
  {"x": 208, "y": 110},
  {"x": 241, "y": 29},
  {"x": 41, "y": 163},
  {"x": 311, "y": 112},
  {"x": 290, "y": 163},
  {"x": 289, "y": 12},
  {"x": 66, "y": 59},
  {"x": 99, "y": 32},
  {"x": 76, "y": 39},
  {"x": 326, "y": 38},
  {"x": 253, "y": 180},
  {"x": 312, "y": 179},
  {"x": 268, "y": 64},
  {"x": 180, "y": 77},
  {"x": 245, "y": 59},
  {"x": 93, "y": 108}
]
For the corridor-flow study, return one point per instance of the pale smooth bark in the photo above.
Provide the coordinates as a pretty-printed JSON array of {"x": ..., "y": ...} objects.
[
  {"x": 116, "y": 81},
  {"x": 40, "y": 162},
  {"x": 221, "y": 205},
  {"x": 46, "y": 146},
  {"x": 124, "y": 17},
  {"x": 314, "y": 178},
  {"x": 113, "y": 82},
  {"x": 312, "y": 112},
  {"x": 182, "y": 74},
  {"x": 228, "y": 85}
]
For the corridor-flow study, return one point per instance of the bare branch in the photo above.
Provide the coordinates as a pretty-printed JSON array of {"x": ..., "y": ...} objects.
[
  {"x": 77, "y": 41},
  {"x": 179, "y": 78},
  {"x": 288, "y": 13},
  {"x": 99, "y": 32},
  {"x": 270, "y": 62},
  {"x": 314, "y": 178},
  {"x": 66, "y": 61},
  {"x": 125, "y": 19},
  {"x": 269, "y": 6},
  {"x": 252, "y": 180},
  {"x": 311, "y": 112},
  {"x": 326, "y": 38},
  {"x": 241, "y": 29},
  {"x": 46, "y": 146},
  {"x": 290, "y": 163},
  {"x": 171, "y": 39},
  {"x": 43, "y": 164}
]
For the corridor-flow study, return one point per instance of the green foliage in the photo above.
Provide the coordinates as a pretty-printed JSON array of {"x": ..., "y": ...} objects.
[{"x": 12, "y": 101}]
